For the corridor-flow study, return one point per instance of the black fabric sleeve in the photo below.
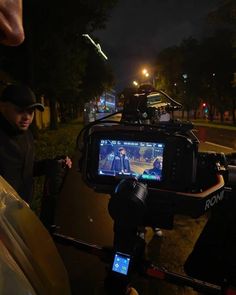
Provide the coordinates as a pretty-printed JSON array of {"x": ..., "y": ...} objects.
[{"x": 42, "y": 167}]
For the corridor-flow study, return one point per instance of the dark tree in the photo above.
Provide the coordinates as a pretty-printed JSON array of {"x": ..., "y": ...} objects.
[{"x": 53, "y": 59}]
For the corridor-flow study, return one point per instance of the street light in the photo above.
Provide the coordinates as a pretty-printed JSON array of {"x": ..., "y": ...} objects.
[
  {"x": 147, "y": 77},
  {"x": 144, "y": 71},
  {"x": 151, "y": 77},
  {"x": 97, "y": 46}
]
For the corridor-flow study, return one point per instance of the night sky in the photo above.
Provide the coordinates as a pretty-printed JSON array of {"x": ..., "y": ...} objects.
[{"x": 138, "y": 29}]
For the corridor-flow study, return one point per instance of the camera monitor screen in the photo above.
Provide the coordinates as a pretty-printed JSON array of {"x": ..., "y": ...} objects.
[{"x": 136, "y": 159}]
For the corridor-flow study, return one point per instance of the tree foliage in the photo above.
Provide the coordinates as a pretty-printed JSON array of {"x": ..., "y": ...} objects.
[
  {"x": 195, "y": 71},
  {"x": 55, "y": 58},
  {"x": 225, "y": 13}
]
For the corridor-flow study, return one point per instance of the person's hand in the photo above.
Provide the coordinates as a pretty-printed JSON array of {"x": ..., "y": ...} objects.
[{"x": 66, "y": 162}]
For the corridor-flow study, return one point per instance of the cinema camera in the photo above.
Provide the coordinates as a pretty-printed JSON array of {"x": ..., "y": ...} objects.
[
  {"x": 185, "y": 182},
  {"x": 149, "y": 163}
]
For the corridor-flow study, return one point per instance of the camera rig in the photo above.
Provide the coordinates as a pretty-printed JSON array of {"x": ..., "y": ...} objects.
[
  {"x": 117, "y": 158},
  {"x": 187, "y": 182}
]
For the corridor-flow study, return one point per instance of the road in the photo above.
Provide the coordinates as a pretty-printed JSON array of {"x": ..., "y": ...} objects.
[
  {"x": 82, "y": 213},
  {"x": 214, "y": 137}
]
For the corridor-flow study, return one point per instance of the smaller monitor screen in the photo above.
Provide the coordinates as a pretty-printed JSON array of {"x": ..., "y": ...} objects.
[
  {"x": 135, "y": 159},
  {"x": 121, "y": 264}
]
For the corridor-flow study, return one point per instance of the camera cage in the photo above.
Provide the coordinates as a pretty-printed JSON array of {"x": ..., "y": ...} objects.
[
  {"x": 206, "y": 186},
  {"x": 184, "y": 184}
]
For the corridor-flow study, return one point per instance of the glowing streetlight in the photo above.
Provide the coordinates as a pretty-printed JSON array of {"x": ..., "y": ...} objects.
[
  {"x": 144, "y": 71},
  {"x": 149, "y": 76},
  {"x": 97, "y": 46},
  {"x": 146, "y": 77}
]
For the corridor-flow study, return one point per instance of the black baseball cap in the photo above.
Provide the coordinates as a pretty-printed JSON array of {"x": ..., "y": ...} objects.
[{"x": 21, "y": 96}]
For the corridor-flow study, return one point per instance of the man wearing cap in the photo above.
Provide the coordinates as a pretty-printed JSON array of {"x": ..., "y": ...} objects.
[{"x": 17, "y": 163}]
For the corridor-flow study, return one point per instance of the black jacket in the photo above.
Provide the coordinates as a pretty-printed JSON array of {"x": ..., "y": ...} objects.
[
  {"x": 121, "y": 163},
  {"x": 17, "y": 165}
]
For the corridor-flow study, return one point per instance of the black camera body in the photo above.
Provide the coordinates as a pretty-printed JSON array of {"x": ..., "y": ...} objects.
[{"x": 178, "y": 154}]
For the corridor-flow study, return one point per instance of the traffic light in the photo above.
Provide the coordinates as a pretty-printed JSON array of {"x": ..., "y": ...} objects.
[{"x": 204, "y": 108}]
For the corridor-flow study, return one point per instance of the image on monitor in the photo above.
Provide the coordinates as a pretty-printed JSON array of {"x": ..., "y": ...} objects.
[{"x": 137, "y": 159}]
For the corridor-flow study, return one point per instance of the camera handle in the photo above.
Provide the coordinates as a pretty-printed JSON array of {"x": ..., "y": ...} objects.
[
  {"x": 127, "y": 207},
  {"x": 148, "y": 270}
]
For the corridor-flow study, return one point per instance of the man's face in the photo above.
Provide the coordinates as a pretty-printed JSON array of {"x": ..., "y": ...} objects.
[
  {"x": 157, "y": 165},
  {"x": 17, "y": 117},
  {"x": 11, "y": 28},
  {"x": 122, "y": 151}
]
